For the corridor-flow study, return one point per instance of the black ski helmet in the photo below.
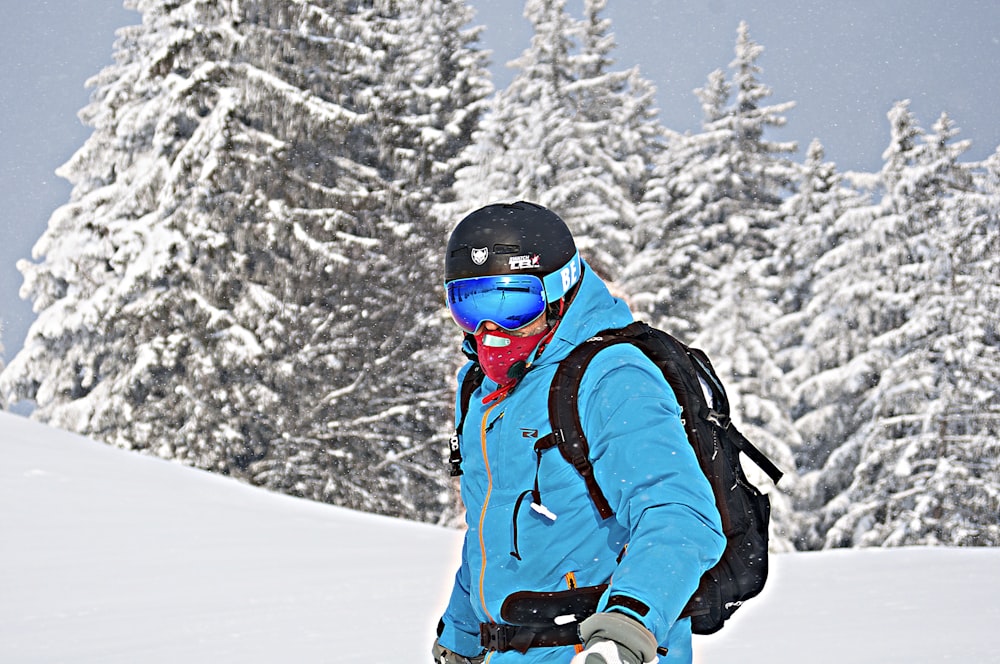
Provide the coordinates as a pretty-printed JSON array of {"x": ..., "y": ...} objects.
[{"x": 510, "y": 238}]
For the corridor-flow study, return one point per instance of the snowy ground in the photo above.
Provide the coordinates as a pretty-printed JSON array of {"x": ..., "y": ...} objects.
[{"x": 108, "y": 556}]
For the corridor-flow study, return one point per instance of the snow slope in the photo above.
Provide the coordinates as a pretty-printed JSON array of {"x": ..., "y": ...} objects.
[{"x": 109, "y": 556}]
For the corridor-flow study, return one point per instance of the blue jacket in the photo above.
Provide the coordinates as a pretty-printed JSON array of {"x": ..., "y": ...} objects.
[{"x": 664, "y": 508}]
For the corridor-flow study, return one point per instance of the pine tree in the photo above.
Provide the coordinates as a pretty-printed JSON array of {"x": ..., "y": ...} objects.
[
  {"x": 925, "y": 455},
  {"x": 704, "y": 270},
  {"x": 135, "y": 288},
  {"x": 618, "y": 138},
  {"x": 808, "y": 226},
  {"x": 224, "y": 281},
  {"x": 569, "y": 133},
  {"x": 668, "y": 264},
  {"x": 375, "y": 441},
  {"x": 512, "y": 156},
  {"x": 721, "y": 191},
  {"x": 850, "y": 307},
  {"x": 758, "y": 394},
  {"x": 815, "y": 220}
]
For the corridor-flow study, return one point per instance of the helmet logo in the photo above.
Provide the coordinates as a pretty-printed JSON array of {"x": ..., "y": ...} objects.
[
  {"x": 479, "y": 256},
  {"x": 523, "y": 262}
]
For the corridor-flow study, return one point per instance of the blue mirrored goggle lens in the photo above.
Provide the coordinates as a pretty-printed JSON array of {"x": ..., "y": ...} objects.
[{"x": 510, "y": 301}]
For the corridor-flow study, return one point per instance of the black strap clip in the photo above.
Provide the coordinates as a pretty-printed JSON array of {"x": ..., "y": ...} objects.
[
  {"x": 498, "y": 637},
  {"x": 455, "y": 456}
]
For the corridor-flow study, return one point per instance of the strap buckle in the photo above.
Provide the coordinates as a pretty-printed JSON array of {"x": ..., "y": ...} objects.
[{"x": 495, "y": 636}]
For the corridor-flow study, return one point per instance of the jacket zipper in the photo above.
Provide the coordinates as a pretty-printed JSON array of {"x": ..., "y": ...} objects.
[{"x": 484, "y": 428}]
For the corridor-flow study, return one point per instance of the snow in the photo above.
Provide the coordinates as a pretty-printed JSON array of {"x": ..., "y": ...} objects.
[{"x": 110, "y": 556}]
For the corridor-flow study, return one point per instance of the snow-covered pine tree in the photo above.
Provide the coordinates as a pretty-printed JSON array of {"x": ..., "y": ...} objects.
[
  {"x": 758, "y": 393},
  {"x": 224, "y": 280},
  {"x": 375, "y": 439},
  {"x": 704, "y": 270},
  {"x": 851, "y": 305},
  {"x": 511, "y": 156},
  {"x": 927, "y": 463},
  {"x": 134, "y": 284},
  {"x": 569, "y": 133},
  {"x": 717, "y": 194},
  {"x": 808, "y": 227},
  {"x": 836, "y": 366},
  {"x": 814, "y": 222},
  {"x": 618, "y": 138},
  {"x": 667, "y": 262}
]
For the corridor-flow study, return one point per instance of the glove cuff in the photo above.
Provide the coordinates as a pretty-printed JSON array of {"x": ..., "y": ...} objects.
[{"x": 627, "y": 632}]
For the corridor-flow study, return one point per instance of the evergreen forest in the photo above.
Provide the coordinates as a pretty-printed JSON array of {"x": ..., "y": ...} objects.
[{"x": 247, "y": 275}]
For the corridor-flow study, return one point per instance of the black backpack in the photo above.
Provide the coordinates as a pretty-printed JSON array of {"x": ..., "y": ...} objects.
[{"x": 745, "y": 511}]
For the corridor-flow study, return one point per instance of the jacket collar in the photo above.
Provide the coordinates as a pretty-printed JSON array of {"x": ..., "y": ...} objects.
[{"x": 592, "y": 310}]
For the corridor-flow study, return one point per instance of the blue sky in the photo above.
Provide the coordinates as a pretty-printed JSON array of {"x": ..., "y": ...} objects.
[{"x": 844, "y": 63}]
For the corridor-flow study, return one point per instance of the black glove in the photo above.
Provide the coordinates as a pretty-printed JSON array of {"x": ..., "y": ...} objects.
[
  {"x": 615, "y": 638},
  {"x": 444, "y": 656}
]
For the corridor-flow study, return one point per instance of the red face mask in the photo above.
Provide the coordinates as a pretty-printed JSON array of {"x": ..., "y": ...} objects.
[{"x": 499, "y": 350}]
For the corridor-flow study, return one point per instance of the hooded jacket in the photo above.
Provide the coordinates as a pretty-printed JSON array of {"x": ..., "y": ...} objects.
[{"x": 663, "y": 505}]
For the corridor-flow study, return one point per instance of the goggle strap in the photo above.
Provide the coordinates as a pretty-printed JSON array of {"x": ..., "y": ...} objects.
[{"x": 558, "y": 283}]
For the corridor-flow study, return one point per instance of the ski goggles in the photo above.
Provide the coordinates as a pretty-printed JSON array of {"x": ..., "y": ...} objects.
[{"x": 508, "y": 300}]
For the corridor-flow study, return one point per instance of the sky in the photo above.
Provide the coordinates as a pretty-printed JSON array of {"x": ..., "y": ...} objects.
[
  {"x": 844, "y": 64},
  {"x": 112, "y": 557}
]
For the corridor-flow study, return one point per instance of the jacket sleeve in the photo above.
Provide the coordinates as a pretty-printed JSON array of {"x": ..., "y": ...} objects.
[
  {"x": 459, "y": 628},
  {"x": 650, "y": 475}
]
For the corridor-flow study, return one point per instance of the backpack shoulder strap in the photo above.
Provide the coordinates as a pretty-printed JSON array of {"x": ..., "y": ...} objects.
[
  {"x": 719, "y": 413},
  {"x": 564, "y": 413},
  {"x": 684, "y": 368},
  {"x": 473, "y": 379}
]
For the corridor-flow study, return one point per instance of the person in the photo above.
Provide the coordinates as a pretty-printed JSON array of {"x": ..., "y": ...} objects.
[{"x": 516, "y": 286}]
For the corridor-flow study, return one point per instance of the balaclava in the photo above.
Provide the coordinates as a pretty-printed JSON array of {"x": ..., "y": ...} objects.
[{"x": 499, "y": 351}]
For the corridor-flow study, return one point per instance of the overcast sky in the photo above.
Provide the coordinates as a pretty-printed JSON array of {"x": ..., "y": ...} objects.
[{"x": 844, "y": 63}]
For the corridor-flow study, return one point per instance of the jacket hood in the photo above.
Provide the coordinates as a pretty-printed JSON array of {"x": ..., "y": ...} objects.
[{"x": 593, "y": 309}]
